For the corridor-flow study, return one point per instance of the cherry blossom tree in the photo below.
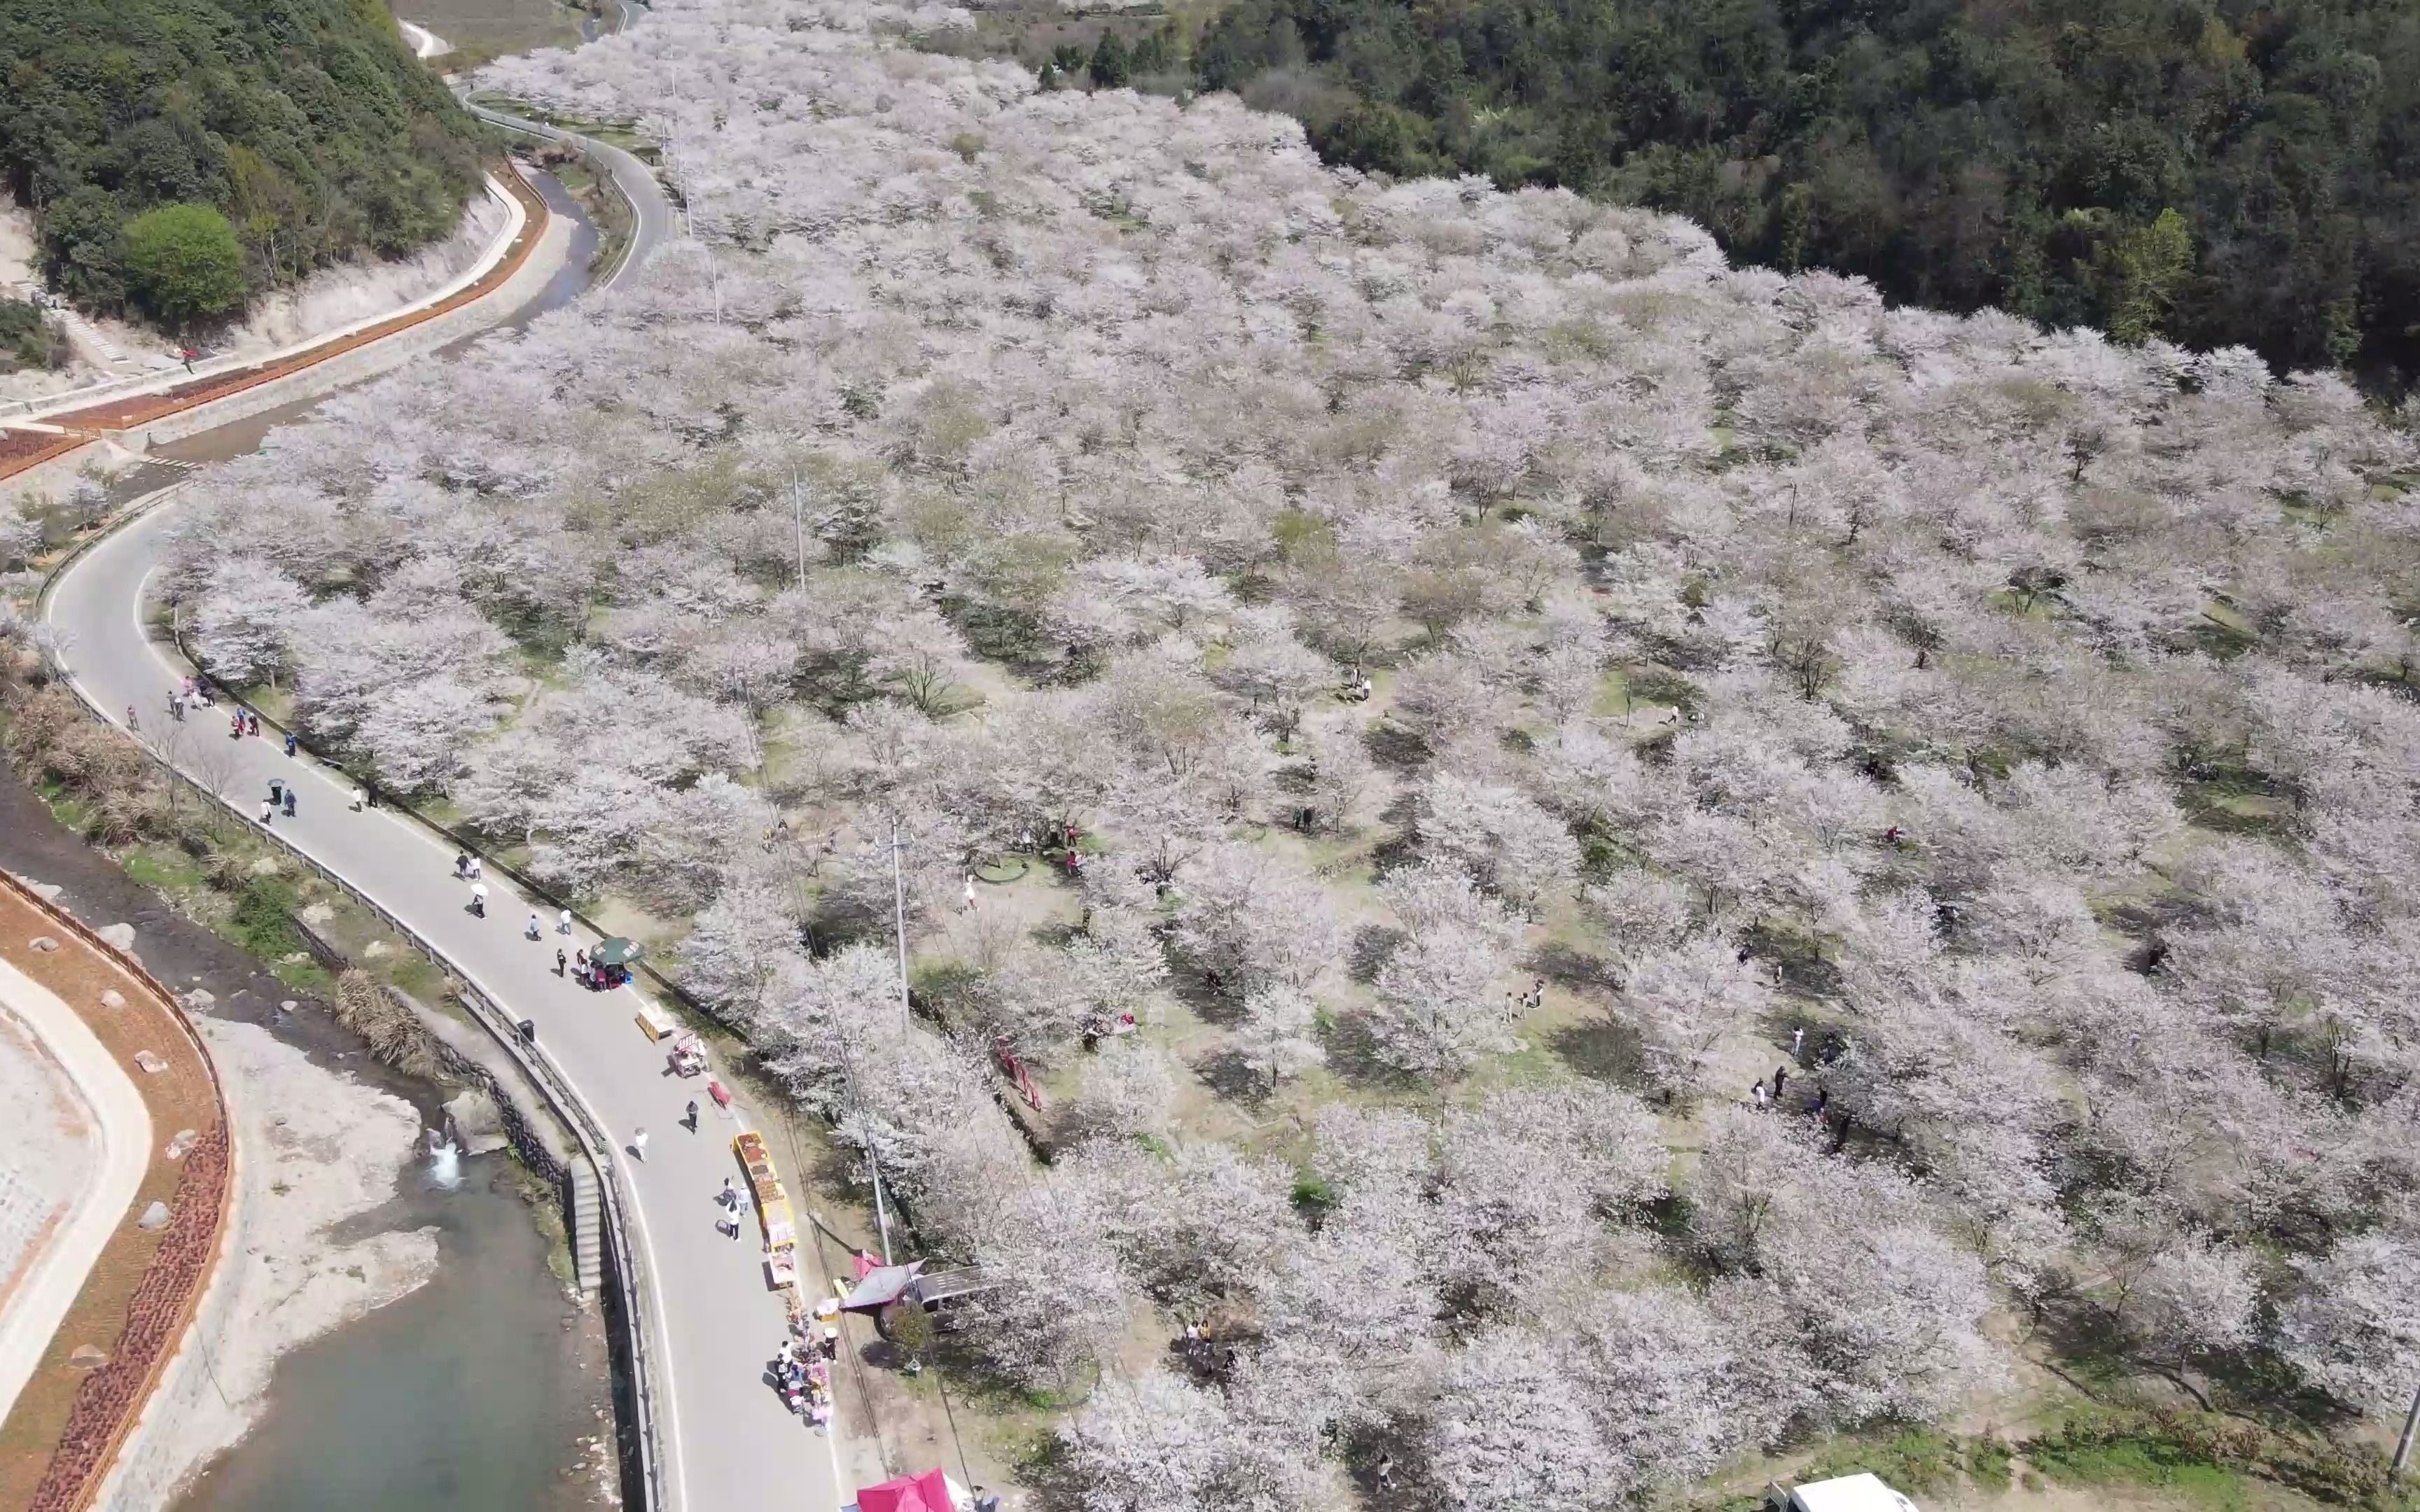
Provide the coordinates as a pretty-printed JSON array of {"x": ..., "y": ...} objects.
[
  {"x": 2350, "y": 1325},
  {"x": 1440, "y": 1005}
]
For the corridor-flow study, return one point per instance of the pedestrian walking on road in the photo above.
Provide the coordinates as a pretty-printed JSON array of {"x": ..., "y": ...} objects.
[
  {"x": 461, "y": 863},
  {"x": 559, "y": 961},
  {"x": 639, "y": 1143},
  {"x": 252, "y": 724},
  {"x": 580, "y": 960},
  {"x": 1798, "y": 1043},
  {"x": 478, "y": 900},
  {"x": 267, "y": 810},
  {"x": 729, "y": 1195},
  {"x": 276, "y": 789},
  {"x": 132, "y": 722},
  {"x": 292, "y": 741},
  {"x": 692, "y": 1127},
  {"x": 357, "y": 801},
  {"x": 535, "y": 932},
  {"x": 563, "y": 922},
  {"x": 289, "y": 800}
]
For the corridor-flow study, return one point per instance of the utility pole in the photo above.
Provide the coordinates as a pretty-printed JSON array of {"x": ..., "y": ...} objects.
[
  {"x": 865, "y": 1131},
  {"x": 2403, "y": 1444},
  {"x": 799, "y": 523},
  {"x": 881, "y": 1217},
  {"x": 899, "y": 921}
]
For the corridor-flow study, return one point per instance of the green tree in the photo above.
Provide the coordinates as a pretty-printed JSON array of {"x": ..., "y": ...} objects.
[
  {"x": 1110, "y": 65},
  {"x": 183, "y": 262},
  {"x": 2144, "y": 266},
  {"x": 82, "y": 233}
]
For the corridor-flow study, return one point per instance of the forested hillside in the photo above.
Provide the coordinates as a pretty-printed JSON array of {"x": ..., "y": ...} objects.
[
  {"x": 285, "y": 134},
  {"x": 2025, "y": 156}
]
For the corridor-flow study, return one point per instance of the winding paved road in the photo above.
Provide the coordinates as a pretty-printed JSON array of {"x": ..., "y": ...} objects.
[{"x": 727, "y": 1442}]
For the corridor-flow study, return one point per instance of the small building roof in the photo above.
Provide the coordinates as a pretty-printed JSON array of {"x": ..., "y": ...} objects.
[{"x": 1851, "y": 1493}]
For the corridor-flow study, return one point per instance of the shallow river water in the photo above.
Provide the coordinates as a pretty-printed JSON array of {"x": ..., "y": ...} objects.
[{"x": 469, "y": 1394}]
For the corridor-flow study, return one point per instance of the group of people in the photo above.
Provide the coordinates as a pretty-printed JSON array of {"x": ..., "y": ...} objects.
[
  {"x": 802, "y": 1371},
  {"x": 731, "y": 1201},
  {"x": 281, "y": 792},
  {"x": 1761, "y": 1098},
  {"x": 592, "y": 974},
  {"x": 188, "y": 694}
]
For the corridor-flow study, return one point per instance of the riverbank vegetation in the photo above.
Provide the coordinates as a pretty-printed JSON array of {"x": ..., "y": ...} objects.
[
  {"x": 280, "y": 136},
  {"x": 1601, "y": 862}
]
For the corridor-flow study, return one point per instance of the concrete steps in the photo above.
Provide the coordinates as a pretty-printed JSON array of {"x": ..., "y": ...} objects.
[{"x": 586, "y": 1218}]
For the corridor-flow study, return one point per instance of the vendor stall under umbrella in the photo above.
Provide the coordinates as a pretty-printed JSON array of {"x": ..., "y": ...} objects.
[{"x": 613, "y": 958}]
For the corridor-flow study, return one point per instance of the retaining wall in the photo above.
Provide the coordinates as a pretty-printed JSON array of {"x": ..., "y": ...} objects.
[{"x": 104, "y": 1431}]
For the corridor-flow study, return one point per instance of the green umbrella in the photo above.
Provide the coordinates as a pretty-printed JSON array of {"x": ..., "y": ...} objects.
[{"x": 616, "y": 951}]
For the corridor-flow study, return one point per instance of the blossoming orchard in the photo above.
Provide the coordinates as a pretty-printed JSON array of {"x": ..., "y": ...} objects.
[{"x": 1606, "y": 861}]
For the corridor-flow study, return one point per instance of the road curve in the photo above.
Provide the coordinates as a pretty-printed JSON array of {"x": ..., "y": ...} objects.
[
  {"x": 653, "y": 223},
  {"x": 724, "y": 1438},
  {"x": 426, "y": 44}
]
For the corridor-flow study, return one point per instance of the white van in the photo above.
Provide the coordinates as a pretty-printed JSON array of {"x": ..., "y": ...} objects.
[{"x": 1847, "y": 1493}]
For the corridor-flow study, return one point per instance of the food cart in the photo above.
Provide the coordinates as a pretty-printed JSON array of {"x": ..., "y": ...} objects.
[
  {"x": 687, "y": 1057},
  {"x": 773, "y": 1210}
]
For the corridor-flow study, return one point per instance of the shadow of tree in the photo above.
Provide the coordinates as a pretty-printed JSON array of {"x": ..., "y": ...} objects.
[
  {"x": 1603, "y": 1049},
  {"x": 1392, "y": 746},
  {"x": 1371, "y": 945},
  {"x": 1209, "y": 1002},
  {"x": 1234, "y": 1076},
  {"x": 1352, "y": 1044},
  {"x": 1566, "y": 967}
]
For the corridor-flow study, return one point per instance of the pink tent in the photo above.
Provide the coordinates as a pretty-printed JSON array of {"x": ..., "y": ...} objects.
[{"x": 927, "y": 1492}]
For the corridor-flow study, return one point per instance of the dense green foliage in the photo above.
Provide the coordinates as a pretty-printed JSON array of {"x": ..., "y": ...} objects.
[
  {"x": 2020, "y": 155},
  {"x": 306, "y": 123},
  {"x": 27, "y": 337},
  {"x": 182, "y": 262}
]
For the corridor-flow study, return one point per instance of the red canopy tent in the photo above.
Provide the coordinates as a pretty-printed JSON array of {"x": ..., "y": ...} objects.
[{"x": 927, "y": 1492}]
